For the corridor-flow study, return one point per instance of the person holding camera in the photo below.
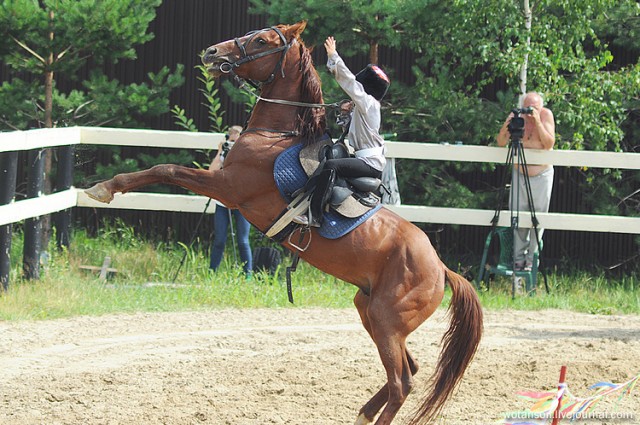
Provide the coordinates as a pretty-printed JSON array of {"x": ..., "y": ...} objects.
[
  {"x": 222, "y": 216},
  {"x": 538, "y": 132}
]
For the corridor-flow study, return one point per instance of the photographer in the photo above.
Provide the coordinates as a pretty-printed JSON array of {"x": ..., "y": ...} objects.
[
  {"x": 222, "y": 216},
  {"x": 538, "y": 132}
]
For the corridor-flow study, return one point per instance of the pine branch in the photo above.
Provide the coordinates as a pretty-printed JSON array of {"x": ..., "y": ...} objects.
[{"x": 28, "y": 49}]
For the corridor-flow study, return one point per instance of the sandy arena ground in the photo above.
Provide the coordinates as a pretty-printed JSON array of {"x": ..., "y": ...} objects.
[{"x": 289, "y": 366}]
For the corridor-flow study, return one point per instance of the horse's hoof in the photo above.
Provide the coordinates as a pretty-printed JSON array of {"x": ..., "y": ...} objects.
[
  {"x": 362, "y": 420},
  {"x": 100, "y": 193}
]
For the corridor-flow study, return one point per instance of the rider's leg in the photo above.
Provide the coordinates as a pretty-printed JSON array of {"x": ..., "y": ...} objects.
[
  {"x": 321, "y": 196},
  {"x": 352, "y": 167}
]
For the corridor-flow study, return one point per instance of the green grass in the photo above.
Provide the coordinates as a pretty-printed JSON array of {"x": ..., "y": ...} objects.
[
  {"x": 70, "y": 296},
  {"x": 65, "y": 291},
  {"x": 144, "y": 281},
  {"x": 580, "y": 292}
]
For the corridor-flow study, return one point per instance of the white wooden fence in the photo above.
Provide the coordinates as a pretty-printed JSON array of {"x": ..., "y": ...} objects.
[{"x": 32, "y": 139}]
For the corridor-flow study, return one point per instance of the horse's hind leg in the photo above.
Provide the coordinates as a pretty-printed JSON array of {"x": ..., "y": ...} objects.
[{"x": 373, "y": 406}]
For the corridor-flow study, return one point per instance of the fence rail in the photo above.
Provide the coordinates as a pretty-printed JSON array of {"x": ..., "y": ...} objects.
[{"x": 32, "y": 139}]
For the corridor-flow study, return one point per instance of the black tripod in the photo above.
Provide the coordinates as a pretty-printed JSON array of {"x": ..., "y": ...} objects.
[
  {"x": 195, "y": 234},
  {"x": 516, "y": 152}
]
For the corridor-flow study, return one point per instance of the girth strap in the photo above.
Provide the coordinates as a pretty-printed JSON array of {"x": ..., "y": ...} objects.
[{"x": 296, "y": 207}]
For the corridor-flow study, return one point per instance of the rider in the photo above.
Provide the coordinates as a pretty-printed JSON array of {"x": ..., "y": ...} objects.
[{"x": 366, "y": 90}]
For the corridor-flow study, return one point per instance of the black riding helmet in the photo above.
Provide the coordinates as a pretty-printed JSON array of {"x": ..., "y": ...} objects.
[{"x": 374, "y": 81}]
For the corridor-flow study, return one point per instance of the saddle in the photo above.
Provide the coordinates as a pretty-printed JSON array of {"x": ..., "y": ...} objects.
[
  {"x": 294, "y": 173},
  {"x": 351, "y": 196}
]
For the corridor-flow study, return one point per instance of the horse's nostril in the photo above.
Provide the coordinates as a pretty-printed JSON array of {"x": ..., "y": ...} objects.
[{"x": 209, "y": 53}]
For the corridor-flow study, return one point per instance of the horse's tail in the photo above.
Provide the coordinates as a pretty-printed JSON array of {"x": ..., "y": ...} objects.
[{"x": 459, "y": 344}]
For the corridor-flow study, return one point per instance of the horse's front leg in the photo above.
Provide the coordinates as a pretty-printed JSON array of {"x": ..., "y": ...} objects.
[{"x": 198, "y": 181}]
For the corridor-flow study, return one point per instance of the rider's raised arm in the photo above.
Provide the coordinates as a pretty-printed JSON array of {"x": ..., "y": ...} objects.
[{"x": 348, "y": 82}]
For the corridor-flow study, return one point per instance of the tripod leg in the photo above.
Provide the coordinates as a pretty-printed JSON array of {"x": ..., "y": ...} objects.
[
  {"x": 531, "y": 203},
  {"x": 233, "y": 237},
  {"x": 193, "y": 238},
  {"x": 508, "y": 166},
  {"x": 514, "y": 207}
]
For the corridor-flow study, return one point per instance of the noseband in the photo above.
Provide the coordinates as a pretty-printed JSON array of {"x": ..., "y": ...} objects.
[{"x": 228, "y": 67}]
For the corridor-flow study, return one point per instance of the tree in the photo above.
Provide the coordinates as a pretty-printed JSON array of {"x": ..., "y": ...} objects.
[
  {"x": 470, "y": 50},
  {"x": 46, "y": 38},
  {"x": 360, "y": 26},
  {"x": 57, "y": 37}
]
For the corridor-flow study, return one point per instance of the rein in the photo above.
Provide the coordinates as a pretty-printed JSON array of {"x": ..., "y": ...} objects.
[
  {"x": 291, "y": 133},
  {"x": 283, "y": 133},
  {"x": 301, "y": 104},
  {"x": 242, "y": 86}
]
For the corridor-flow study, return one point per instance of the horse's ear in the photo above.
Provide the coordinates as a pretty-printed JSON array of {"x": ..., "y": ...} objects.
[{"x": 294, "y": 31}]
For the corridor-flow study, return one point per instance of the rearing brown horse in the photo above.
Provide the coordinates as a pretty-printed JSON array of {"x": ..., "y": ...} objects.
[{"x": 399, "y": 275}]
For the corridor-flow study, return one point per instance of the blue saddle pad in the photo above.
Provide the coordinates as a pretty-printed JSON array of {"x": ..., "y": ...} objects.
[{"x": 290, "y": 176}]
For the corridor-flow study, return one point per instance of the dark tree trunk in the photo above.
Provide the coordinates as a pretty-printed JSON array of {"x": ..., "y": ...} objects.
[
  {"x": 45, "y": 233},
  {"x": 33, "y": 226},
  {"x": 373, "y": 52},
  {"x": 64, "y": 182},
  {"x": 8, "y": 169}
]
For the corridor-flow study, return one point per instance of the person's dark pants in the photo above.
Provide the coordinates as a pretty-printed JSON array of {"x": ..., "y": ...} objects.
[
  {"x": 221, "y": 225},
  {"x": 352, "y": 167}
]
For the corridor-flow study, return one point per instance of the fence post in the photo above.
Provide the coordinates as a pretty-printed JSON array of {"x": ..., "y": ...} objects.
[
  {"x": 33, "y": 226},
  {"x": 8, "y": 170},
  {"x": 64, "y": 181}
]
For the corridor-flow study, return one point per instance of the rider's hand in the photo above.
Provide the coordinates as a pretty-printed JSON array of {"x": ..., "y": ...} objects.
[{"x": 330, "y": 45}]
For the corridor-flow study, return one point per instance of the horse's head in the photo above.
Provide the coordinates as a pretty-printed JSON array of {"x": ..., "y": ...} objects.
[
  {"x": 261, "y": 56},
  {"x": 256, "y": 56}
]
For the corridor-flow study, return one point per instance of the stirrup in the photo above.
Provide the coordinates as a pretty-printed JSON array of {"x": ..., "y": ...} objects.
[{"x": 303, "y": 231}]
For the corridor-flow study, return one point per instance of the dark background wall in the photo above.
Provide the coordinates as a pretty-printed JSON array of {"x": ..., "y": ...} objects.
[{"x": 183, "y": 29}]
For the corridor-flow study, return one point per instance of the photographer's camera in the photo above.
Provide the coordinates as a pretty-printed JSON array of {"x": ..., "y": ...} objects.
[
  {"x": 225, "y": 148},
  {"x": 516, "y": 125}
]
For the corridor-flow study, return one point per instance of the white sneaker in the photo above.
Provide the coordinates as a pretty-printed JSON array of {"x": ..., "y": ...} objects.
[
  {"x": 519, "y": 286},
  {"x": 301, "y": 219}
]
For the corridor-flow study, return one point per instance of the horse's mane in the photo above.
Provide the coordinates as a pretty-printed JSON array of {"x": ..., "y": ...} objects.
[{"x": 311, "y": 121}]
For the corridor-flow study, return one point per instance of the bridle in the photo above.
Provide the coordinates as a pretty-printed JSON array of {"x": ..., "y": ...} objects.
[{"x": 229, "y": 67}]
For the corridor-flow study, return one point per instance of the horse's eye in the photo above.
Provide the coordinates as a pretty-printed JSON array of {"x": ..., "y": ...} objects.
[{"x": 261, "y": 41}]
